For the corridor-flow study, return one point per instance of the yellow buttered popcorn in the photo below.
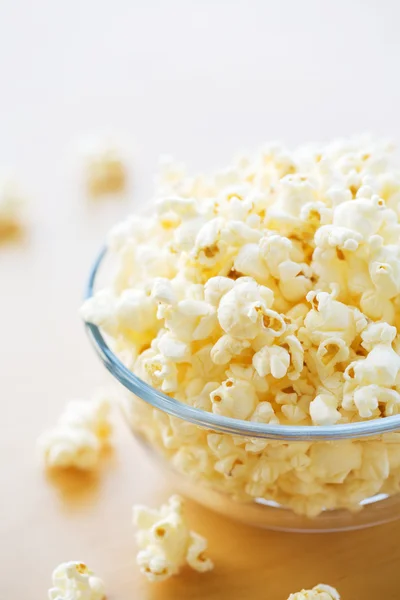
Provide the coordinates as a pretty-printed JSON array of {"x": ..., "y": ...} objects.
[{"x": 165, "y": 542}]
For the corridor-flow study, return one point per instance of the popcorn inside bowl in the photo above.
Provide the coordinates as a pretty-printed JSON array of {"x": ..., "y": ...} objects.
[{"x": 268, "y": 292}]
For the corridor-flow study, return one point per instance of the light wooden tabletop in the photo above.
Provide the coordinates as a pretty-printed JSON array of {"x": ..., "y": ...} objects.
[{"x": 199, "y": 80}]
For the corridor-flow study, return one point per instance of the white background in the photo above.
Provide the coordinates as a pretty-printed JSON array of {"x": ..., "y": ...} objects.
[{"x": 200, "y": 79}]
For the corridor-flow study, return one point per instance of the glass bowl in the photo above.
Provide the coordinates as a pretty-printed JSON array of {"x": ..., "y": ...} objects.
[{"x": 290, "y": 478}]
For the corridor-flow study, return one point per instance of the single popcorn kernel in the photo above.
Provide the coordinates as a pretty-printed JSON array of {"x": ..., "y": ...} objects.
[
  {"x": 166, "y": 544},
  {"x": 269, "y": 292},
  {"x": 74, "y": 581},
  {"x": 105, "y": 169},
  {"x": 106, "y": 175},
  {"x": 319, "y": 592},
  {"x": 82, "y": 431}
]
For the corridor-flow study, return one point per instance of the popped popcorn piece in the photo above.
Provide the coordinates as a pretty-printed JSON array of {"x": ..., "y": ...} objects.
[
  {"x": 135, "y": 229},
  {"x": 273, "y": 359},
  {"x": 157, "y": 370},
  {"x": 82, "y": 431},
  {"x": 249, "y": 263},
  {"x": 333, "y": 236},
  {"x": 190, "y": 319},
  {"x": 165, "y": 542},
  {"x": 92, "y": 415},
  {"x": 226, "y": 348},
  {"x": 275, "y": 250},
  {"x": 365, "y": 216},
  {"x": 162, "y": 291},
  {"x": 323, "y": 410},
  {"x": 215, "y": 288},
  {"x": 74, "y": 581},
  {"x": 234, "y": 398},
  {"x": 65, "y": 447},
  {"x": 329, "y": 317},
  {"x": 105, "y": 169},
  {"x": 242, "y": 310},
  {"x": 100, "y": 310},
  {"x": 319, "y": 592}
]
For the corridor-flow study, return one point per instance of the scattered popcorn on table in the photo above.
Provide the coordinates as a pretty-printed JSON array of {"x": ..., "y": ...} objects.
[
  {"x": 10, "y": 207},
  {"x": 319, "y": 592},
  {"x": 268, "y": 291},
  {"x": 105, "y": 168},
  {"x": 166, "y": 543},
  {"x": 74, "y": 581},
  {"x": 82, "y": 431}
]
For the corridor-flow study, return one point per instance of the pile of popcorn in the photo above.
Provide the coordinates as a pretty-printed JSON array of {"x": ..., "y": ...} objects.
[{"x": 268, "y": 291}]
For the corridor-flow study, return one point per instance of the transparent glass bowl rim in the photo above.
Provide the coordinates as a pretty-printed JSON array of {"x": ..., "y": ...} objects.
[{"x": 215, "y": 422}]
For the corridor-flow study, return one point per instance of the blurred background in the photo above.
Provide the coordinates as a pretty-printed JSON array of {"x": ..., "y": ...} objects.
[{"x": 197, "y": 79}]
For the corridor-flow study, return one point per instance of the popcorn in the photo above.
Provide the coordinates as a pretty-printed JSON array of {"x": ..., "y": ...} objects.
[
  {"x": 377, "y": 333},
  {"x": 166, "y": 543},
  {"x": 74, "y": 581},
  {"x": 362, "y": 215},
  {"x": 105, "y": 171},
  {"x": 384, "y": 267},
  {"x": 273, "y": 359},
  {"x": 190, "y": 319},
  {"x": 369, "y": 398},
  {"x": 241, "y": 310},
  {"x": 136, "y": 311},
  {"x": 332, "y": 462},
  {"x": 327, "y": 317},
  {"x": 381, "y": 366},
  {"x": 162, "y": 291},
  {"x": 248, "y": 262},
  {"x": 296, "y": 353},
  {"x": 157, "y": 370},
  {"x": 270, "y": 292},
  {"x": 234, "y": 398},
  {"x": 275, "y": 250},
  {"x": 323, "y": 410},
  {"x": 100, "y": 310},
  {"x": 92, "y": 415},
  {"x": 226, "y": 348},
  {"x": 69, "y": 447},
  {"x": 319, "y": 592},
  {"x": 82, "y": 431},
  {"x": 331, "y": 351},
  {"x": 135, "y": 229},
  {"x": 333, "y": 236},
  {"x": 215, "y": 288}
]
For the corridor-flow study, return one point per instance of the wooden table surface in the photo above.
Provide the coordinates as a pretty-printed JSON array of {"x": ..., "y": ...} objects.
[{"x": 199, "y": 80}]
